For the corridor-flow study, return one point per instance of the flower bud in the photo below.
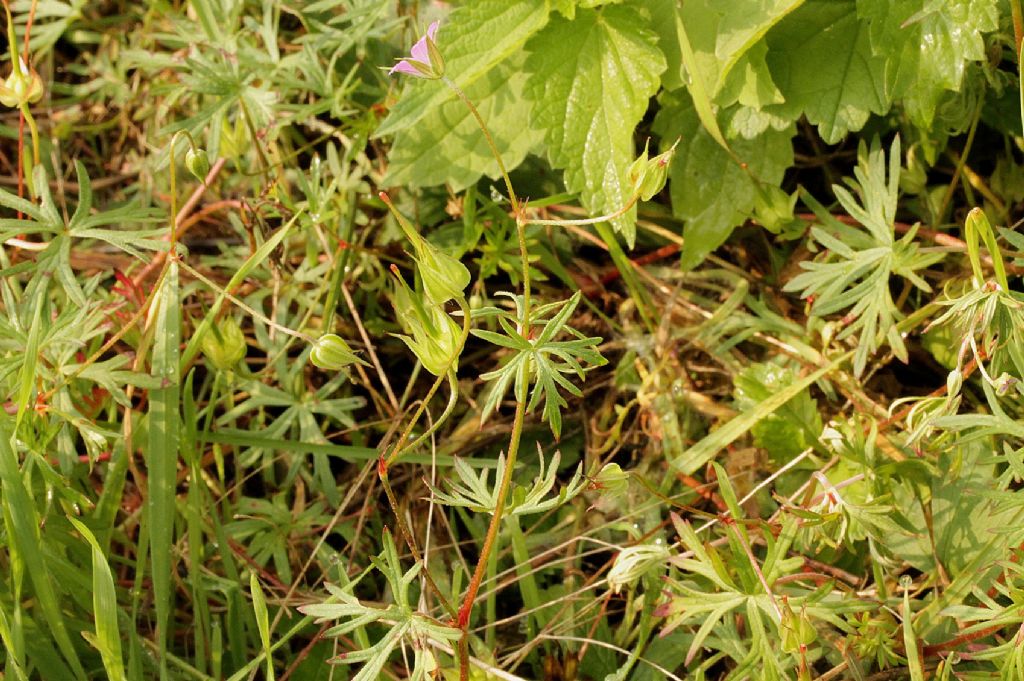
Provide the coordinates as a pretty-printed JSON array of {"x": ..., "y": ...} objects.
[
  {"x": 224, "y": 345},
  {"x": 23, "y": 86},
  {"x": 954, "y": 380},
  {"x": 197, "y": 163},
  {"x": 331, "y": 352},
  {"x": 648, "y": 176},
  {"x": 773, "y": 208},
  {"x": 1004, "y": 383}
]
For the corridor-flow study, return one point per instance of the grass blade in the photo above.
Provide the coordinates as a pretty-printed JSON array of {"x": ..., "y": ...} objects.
[
  {"x": 702, "y": 452},
  {"x": 104, "y": 600},
  {"x": 259, "y": 606},
  {"x": 162, "y": 455},
  {"x": 23, "y": 522},
  {"x": 350, "y": 453}
]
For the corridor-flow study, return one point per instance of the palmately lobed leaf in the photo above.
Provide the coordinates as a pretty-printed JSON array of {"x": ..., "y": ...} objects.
[
  {"x": 700, "y": 170},
  {"x": 928, "y": 45},
  {"x": 821, "y": 59},
  {"x": 591, "y": 80}
]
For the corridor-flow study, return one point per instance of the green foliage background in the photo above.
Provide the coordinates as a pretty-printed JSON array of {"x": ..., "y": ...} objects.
[{"x": 772, "y": 415}]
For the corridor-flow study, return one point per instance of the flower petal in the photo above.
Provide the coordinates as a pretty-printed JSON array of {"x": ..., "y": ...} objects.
[
  {"x": 404, "y": 67},
  {"x": 419, "y": 51},
  {"x": 432, "y": 30}
]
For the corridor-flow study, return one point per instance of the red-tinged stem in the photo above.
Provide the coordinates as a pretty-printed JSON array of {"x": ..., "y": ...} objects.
[{"x": 466, "y": 610}]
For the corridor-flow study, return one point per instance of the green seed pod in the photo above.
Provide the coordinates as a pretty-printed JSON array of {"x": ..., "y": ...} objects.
[
  {"x": 224, "y": 345},
  {"x": 197, "y": 163},
  {"x": 331, "y": 352},
  {"x": 433, "y": 336},
  {"x": 435, "y": 342},
  {"x": 797, "y": 630},
  {"x": 648, "y": 176},
  {"x": 14, "y": 89},
  {"x": 444, "y": 277},
  {"x": 35, "y": 87},
  {"x": 638, "y": 169},
  {"x": 657, "y": 173}
]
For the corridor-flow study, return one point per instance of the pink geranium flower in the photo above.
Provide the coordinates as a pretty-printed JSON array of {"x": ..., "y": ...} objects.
[{"x": 424, "y": 60}]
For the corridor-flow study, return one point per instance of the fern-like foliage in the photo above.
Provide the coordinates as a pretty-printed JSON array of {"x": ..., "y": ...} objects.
[
  {"x": 406, "y": 626},
  {"x": 472, "y": 491},
  {"x": 855, "y": 269},
  {"x": 541, "y": 360}
]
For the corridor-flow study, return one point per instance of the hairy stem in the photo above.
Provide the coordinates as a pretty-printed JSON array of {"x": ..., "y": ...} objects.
[
  {"x": 517, "y": 424},
  {"x": 587, "y": 221},
  {"x": 401, "y": 447},
  {"x": 174, "y": 186}
]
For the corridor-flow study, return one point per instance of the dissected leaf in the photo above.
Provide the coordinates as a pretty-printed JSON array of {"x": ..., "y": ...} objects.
[
  {"x": 855, "y": 270},
  {"x": 963, "y": 520}
]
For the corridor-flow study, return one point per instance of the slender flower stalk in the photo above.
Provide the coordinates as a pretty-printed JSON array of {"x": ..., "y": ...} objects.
[
  {"x": 517, "y": 208},
  {"x": 22, "y": 88},
  {"x": 558, "y": 222},
  {"x": 466, "y": 609},
  {"x": 400, "y": 445},
  {"x": 195, "y": 152}
]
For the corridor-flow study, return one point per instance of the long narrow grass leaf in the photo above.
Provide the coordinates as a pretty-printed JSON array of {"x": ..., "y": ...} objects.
[{"x": 162, "y": 455}]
